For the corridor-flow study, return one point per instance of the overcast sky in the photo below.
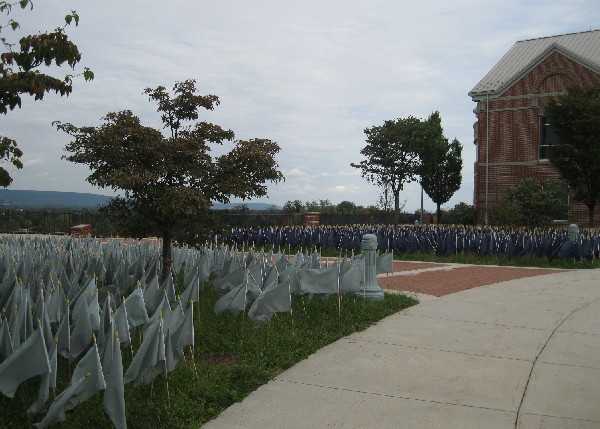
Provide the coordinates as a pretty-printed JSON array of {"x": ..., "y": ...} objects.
[{"x": 311, "y": 75}]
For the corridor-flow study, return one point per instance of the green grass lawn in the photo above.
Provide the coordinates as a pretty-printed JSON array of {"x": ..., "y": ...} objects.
[
  {"x": 525, "y": 261},
  {"x": 474, "y": 259},
  {"x": 232, "y": 358}
]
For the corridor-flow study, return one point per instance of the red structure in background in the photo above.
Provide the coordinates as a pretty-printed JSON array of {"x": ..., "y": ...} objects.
[
  {"x": 83, "y": 230},
  {"x": 511, "y": 132},
  {"x": 312, "y": 219}
]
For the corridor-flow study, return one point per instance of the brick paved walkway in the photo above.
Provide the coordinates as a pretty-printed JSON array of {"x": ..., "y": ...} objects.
[{"x": 443, "y": 279}]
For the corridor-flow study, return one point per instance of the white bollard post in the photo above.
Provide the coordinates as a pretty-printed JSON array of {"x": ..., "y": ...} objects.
[{"x": 370, "y": 289}]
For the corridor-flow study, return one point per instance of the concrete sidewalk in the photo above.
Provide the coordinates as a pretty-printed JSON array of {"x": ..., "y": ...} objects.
[{"x": 519, "y": 354}]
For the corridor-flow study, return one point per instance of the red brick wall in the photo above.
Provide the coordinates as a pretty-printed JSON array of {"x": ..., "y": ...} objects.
[{"x": 514, "y": 132}]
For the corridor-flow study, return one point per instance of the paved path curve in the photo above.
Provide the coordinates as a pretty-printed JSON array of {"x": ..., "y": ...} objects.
[
  {"x": 441, "y": 279},
  {"x": 520, "y": 353}
]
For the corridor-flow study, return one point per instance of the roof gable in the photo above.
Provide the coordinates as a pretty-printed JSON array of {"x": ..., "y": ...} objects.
[{"x": 583, "y": 48}]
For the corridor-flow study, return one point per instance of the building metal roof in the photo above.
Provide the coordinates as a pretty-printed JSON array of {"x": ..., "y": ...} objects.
[{"x": 583, "y": 48}]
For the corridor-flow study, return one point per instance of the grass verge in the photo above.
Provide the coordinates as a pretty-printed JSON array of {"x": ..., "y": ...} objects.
[
  {"x": 232, "y": 359},
  {"x": 524, "y": 261}
]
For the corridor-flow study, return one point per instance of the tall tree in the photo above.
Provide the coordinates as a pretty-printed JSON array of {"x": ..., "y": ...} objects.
[
  {"x": 440, "y": 169},
  {"x": 325, "y": 206},
  {"x": 575, "y": 118},
  {"x": 21, "y": 66},
  {"x": 291, "y": 207},
  {"x": 168, "y": 182},
  {"x": 312, "y": 206},
  {"x": 392, "y": 155},
  {"x": 346, "y": 207},
  {"x": 463, "y": 214}
]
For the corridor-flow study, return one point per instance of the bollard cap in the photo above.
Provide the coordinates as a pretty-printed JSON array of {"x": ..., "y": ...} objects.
[
  {"x": 369, "y": 242},
  {"x": 573, "y": 231}
]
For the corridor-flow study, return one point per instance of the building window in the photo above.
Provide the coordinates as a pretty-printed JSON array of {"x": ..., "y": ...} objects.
[
  {"x": 534, "y": 102},
  {"x": 548, "y": 138}
]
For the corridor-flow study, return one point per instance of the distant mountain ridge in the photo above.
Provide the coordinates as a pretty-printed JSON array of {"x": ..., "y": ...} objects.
[
  {"x": 50, "y": 199},
  {"x": 79, "y": 200},
  {"x": 251, "y": 206}
]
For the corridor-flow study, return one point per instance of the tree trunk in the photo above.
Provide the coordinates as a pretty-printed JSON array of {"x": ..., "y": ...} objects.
[
  {"x": 438, "y": 212},
  {"x": 396, "y": 208},
  {"x": 167, "y": 260}
]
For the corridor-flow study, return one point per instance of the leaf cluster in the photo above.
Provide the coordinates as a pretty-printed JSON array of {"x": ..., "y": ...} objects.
[
  {"x": 169, "y": 180},
  {"x": 462, "y": 214},
  {"x": 537, "y": 202},
  {"x": 291, "y": 207},
  {"x": 392, "y": 152},
  {"x": 175, "y": 111},
  {"x": 441, "y": 170},
  {"x": 10, "y": 152},
  {"x": 402, "y": 149},
  {"x": 20, "y": 72},
  {"x": 575, "y": 118}
]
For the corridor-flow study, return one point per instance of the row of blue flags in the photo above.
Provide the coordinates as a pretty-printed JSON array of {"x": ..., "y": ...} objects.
[{"x": 441, "y": 240}]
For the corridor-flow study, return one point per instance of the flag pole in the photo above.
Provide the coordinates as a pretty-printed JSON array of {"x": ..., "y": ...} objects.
[
  {"x": 291, "y": 309},
  {"x": 166, "y": 372},
  {"x": 244, "y": 309},
  {"x": 167, "y": 384},
  {"x": 189, "y": 303},
  {"x": 129, "y": 331},
  {"x": 55, "y": 345},
  {"x": 193, "y": 342},
  {"x": 69, "y": 330},
  {"x": 338, "y": 292},
  {"x": 152, "y": 384}
]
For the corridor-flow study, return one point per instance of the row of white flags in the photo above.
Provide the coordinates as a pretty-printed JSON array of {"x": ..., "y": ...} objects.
[
  {"x": 165, "y": 336},
  {"x": 70, "y": 305},
  {"x": 268, "y": 282}
]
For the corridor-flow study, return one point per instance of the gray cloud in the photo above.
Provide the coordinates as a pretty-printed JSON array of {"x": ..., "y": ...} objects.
[{"x": 310, "y": 75}]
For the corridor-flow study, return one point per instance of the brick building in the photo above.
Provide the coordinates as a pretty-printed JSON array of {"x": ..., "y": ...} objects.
[{"x": 511, "y": 133}]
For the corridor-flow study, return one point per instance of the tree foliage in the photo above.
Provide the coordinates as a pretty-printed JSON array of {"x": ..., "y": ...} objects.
[
  {"x": 392, "y": 154},
  {"x": 504, "y": 212},
  {"x": 326, "y": 206},
  {"x": 169, "y": 182},
  {"x": 321, "y": 206},
  {"x": 463, "y": 214},
  {"x": 346, "y": 207},
  {"x": 298, "y": 207},
  {"x": 441, "y": 164},
  {"x": 384, "y": 202},
  {"x": 575, "y": 118},
  {"x": 20, "y": 72},
  {"x": 293, "y": 207},
  {"x": 537, "y": 202},
  {"x": 440, "y": 171},
  {"x": 312, "y": 206},
  {"x": 241, "y": 209}
]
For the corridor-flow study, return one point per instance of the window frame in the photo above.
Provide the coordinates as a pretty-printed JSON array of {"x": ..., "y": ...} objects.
[{"x": 547, "y": 138}]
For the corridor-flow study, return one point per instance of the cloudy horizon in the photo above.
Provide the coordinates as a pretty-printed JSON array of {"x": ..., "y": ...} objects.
[{"x": 309, "y": 75}]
